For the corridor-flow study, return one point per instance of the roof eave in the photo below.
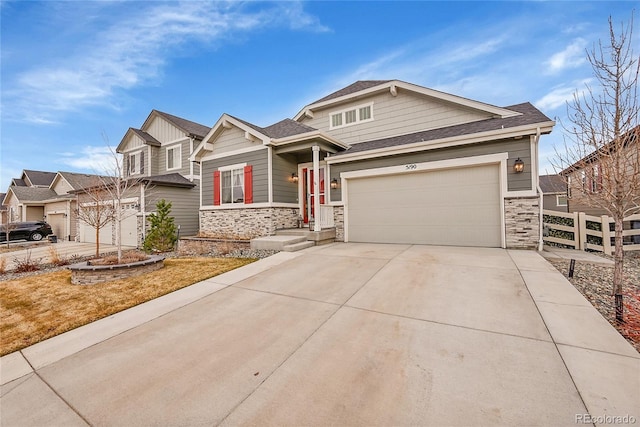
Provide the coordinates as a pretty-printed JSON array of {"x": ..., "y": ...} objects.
[
  {"x": 392, "y": 86},
  {"x": 225, "y": 121},
  {"x": 530, "y": 129},
  {"x": 278, "y": 142}
]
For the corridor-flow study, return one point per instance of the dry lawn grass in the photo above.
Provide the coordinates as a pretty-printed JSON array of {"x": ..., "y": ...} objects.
[{"x": 38, "y": 307}]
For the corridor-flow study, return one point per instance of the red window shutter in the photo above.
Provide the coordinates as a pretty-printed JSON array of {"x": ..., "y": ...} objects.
[
  {"x": 216, "y": 188},
  {"x": 248, "y": 184}
]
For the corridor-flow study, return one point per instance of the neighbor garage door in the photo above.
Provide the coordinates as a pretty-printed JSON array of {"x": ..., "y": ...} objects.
[
  {"x": 443, "y": 207},
  {"x": 58, "y": 223}
]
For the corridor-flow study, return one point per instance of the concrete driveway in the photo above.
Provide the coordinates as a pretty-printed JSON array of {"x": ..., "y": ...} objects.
[{"x": 346, "y": 334}]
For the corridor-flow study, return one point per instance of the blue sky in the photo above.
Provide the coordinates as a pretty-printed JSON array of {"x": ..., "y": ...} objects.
[{"x": 77, "y": 74}]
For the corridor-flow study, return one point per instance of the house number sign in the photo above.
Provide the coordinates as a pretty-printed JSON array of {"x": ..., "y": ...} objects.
[{"x": 411, "y": 166}]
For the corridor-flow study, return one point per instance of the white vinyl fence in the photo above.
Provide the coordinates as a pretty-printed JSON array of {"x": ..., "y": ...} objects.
[{"x": 581, "y": 231}]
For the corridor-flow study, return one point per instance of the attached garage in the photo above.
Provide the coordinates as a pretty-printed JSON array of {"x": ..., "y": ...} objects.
[
  {"x": 58, "y": 222},
  {"x": 129, "y": 232},
  {"x": 458, "y": 206}
]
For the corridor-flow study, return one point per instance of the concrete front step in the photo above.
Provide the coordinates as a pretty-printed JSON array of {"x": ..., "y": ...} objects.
[
  {"x": 319, "y": 237},
  {"x": 298, "y": 246},
  {"x": 275, "y": 243}
]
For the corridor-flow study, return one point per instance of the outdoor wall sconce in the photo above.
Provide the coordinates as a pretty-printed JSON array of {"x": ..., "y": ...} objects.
[
  {"x": 334, "y": 183},
  {"x": 293, "y": 178},
  {"x": 518, "y": 166}
]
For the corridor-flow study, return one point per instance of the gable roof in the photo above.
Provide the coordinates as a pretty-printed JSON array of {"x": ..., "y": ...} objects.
[
  {"x": 189, "y": 127},
  {"x": 3, "y": 207},
  {"x": 39, "y": 178},
  {"x": 148, "y": 139},
  {"x": 528, "y": 117},
  {"x": 363, "y": 88},
  {"x": 78, "y": 181},
  {"x": 352, "y": 88},
  {"x": 33, "y": 194},
  {"x": 552, "y": 184},
  {"x": 630, "y": 137},
  {"x": 169, "y": 180},
  {"x": 18, "y": 182}
]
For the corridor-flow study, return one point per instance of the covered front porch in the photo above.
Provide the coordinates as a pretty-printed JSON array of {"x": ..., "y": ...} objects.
[{"x": 312, "y": 176}]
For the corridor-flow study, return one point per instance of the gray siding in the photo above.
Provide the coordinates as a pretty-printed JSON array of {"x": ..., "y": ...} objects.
[
  {"x": 185, "y": 204},
  {"x": 283, "y": 190},
  {"x": 550, "y": 202},
  {"x": 258, "y": 159},
  {"x": 163, "y": 131},
  {"x": 515, "y": 148},
  {"x": 405, "y": 113},
  {"x": 231, "y": 140},
  {"x": 184, "y": 158}
]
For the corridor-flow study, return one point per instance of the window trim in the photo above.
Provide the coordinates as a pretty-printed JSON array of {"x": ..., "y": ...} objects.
[
  {"x": 137, "y": 155},
  {"x": 566, "y": 200},
  {"x": 231, "y": 168},
  {"x": 356, "y": 109},
  {"x": 166, "y": 156}
]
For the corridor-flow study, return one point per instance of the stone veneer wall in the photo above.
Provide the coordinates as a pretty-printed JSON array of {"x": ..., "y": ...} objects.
[
  {"x": 338, "y": 222},
  {"x": 246, "y": 223},
  {"x": 191, "y": 246},
  {"x": 84, "y": 274},
  {"x": 522, "y": 222}
]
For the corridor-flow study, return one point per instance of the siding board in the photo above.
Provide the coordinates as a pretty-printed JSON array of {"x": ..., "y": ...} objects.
[
  {"x": 185, "y": 203},
  {"x": 515, "y": 148},
  {"x": 403, "y": 114},
  {"x": 258, "y": 159},
  {"x": 283, "y": 190}
]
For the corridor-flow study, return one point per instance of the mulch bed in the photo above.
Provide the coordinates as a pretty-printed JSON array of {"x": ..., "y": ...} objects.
[{"x": 595, "y": 282}]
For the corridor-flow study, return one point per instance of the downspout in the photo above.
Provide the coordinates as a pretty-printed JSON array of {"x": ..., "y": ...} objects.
[{"x": 540, "y": 227}]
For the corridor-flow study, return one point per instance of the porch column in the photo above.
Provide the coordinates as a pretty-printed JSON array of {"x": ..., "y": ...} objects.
[{"x": 316, "y": 188}]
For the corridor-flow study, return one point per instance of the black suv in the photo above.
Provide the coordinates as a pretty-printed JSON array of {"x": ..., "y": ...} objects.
[{"x": 30, "y": 230}]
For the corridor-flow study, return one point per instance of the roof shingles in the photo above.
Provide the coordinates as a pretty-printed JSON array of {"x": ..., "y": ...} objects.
[{"x": 530, "y": 115}]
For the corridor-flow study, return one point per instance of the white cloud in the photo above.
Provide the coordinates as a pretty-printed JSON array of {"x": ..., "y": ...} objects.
[
  {"x": 572, "y": 56},
  {"x": 94, "y": 159},
  {"x": 560, "y": 95},
  {"x": 133, "y": 50}
]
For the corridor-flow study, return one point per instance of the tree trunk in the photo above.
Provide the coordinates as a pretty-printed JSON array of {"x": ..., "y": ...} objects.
[
  {"x": 618, "y": 259},
  {"x": 97, "y": 242}
]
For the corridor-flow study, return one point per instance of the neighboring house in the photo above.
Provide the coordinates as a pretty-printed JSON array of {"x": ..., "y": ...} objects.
[
  {"x": 381, "y": 161},
  {"x": 31, "y": 199},
  {"x": 554, "y": 189},
  {"x": 26, "y": 196},
  {"x": 585, "y": 176},
  {"x": 4, "y": 210},
  {"x": 156, "y": 166}
]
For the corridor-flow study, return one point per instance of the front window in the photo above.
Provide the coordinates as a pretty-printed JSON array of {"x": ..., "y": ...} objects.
[
  {"x": 135, "y": 163},
  {"x": 336, "y": 120},
  {"x": 561, "y": 200},
  {"x": 173, "y": 157},
  {"x": 232, "y": 185},
  {"x": 365, "y": 112},
  {"x": 350, "y": 116},
  {"x": 359, "y": 114}
]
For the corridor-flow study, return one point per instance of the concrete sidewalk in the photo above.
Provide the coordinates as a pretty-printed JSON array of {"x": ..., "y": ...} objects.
[
  {"x": 553, "y": 252},
  {"x": 345, "y": 334}
]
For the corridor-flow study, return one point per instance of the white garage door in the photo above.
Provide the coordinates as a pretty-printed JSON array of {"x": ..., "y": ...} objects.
[
  {"x": 58, "y": 223},
  {"x": 458, "y": 207},
  {"x": 129, "y": 232}
]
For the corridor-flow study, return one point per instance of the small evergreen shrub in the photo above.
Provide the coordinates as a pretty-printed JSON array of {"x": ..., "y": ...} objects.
[{"x": 162, "y": 232}]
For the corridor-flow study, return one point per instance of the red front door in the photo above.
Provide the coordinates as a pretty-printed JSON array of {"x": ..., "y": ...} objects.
[{"x": 307, "y": 189}]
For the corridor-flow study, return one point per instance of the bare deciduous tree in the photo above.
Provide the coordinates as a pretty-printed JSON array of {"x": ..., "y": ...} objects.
[
  {"x": 95, "y": 208},
  {"x": 600, "y": 160}
]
